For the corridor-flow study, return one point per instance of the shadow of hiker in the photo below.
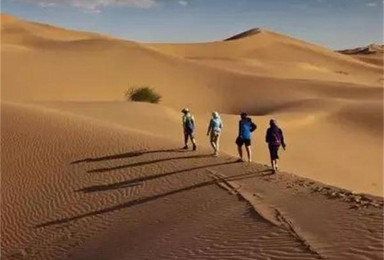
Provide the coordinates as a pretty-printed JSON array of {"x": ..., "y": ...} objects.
[
  {"x": 148, "y": 162},
  {"x": 140, "y": 201},
  {"x": 139, "y": 180},
  {"x": 125, "y": 155}
]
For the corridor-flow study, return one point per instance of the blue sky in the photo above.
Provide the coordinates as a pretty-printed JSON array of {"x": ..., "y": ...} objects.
[{"x": 332, "y": 23}]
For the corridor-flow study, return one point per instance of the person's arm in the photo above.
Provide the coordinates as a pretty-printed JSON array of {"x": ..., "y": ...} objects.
[
  {"x": 267, "y": 136},
  {"x": 240, "y": 128},
  {"x": 193, "y": 122},
  {"x": 282, "y": 139},
  {"x": 209, "y": 127}
]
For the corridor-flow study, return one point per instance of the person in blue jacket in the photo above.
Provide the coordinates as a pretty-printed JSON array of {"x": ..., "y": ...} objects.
[{"x": 246, "y": 127}]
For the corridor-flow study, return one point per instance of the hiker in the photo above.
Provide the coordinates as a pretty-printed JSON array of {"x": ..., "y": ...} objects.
[
  {"x": 189, "y": 128},
  {"x": 214, "y": 130},
  {"x": 246, "y": 127},
  {"x": 274, "y": 138}
]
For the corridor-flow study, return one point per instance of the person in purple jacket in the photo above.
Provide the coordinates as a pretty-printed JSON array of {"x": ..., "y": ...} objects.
[{"x": 275, "y": 139}]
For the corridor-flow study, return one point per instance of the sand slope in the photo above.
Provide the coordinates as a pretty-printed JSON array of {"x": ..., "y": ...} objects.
[
  {"x": 80, "y": 188},
  {"x": 347, "y": 125},
  {"x": 78, "y": 180}
]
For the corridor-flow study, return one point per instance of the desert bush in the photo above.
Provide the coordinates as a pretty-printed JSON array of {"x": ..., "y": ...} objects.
[{"x": 143, "y": 94}]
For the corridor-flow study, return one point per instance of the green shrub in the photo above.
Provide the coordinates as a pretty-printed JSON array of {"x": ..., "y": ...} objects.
[{"x": 143, "y": 94}]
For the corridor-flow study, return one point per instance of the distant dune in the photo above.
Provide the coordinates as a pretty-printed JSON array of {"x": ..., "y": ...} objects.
[
  {"x": 94, "y": 67},
  {"x": 372, "y": 53},
  {"x": 88, "y": 175}
]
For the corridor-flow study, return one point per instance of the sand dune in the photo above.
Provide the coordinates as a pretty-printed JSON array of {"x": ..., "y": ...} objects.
[
  {"x": 270, "y": 54},
  {"x": 86, "y": 175},
  {"x": 335, "y": 125},
  {"x": 74, "y": 187},
  {"x": 372, "y": 54},
  {"x": 101, "y": 68}
]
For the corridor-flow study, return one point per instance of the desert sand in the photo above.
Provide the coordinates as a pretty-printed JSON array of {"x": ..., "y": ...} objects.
[
  {"x": 372, "y": 53},
  {"x": 88, "y": 175}
]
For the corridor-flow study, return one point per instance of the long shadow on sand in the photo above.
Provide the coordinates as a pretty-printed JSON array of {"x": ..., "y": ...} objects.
[
  {"x": 140, "y": 201},
  {"x": 126, "y": 155},
  {"x": 139, "y": 180},
  {"x": 106, "y": 169}
]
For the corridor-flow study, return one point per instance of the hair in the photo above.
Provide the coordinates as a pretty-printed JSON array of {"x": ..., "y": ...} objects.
[
  {"x": 185, "y": 110},
  {"x": 272, "y": 122},
  {"x": 243, "y": 115}
]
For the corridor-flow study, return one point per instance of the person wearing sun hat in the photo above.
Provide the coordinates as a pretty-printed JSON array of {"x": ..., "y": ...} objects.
[{"x": 189, "y": 126}]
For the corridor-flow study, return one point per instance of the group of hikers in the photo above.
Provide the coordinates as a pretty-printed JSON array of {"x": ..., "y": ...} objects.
[{"x": 274, "y": 135}]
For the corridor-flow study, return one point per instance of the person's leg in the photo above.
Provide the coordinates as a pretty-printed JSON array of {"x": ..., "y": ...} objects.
[
  {"x": 217, "y": 141},
  {"x": 212, "y": 141},
  {"x": 193, "y": 142},
  {"x": 240, "y": 150},
  {"x": 186, "y": 136},
  {"x": 276, "y": 166},
  {"x": 270, "y": 148},
  {"x": 213, "y": 145},
  {"x": 249, "y": 152},
  {"x": 276, "y": 157},
  {"x": 240, "y": 143}
]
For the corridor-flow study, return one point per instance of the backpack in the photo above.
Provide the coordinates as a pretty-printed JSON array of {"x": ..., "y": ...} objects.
[
  {"x": 253, "y": 127},
  {"x": 276, "y": 139},
  {"x": 189, "y": 125}
]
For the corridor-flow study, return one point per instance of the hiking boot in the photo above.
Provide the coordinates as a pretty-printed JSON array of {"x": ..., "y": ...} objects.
[
  {"x": 194, "y": 147},
  {"x": 185, "y": 147}
]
